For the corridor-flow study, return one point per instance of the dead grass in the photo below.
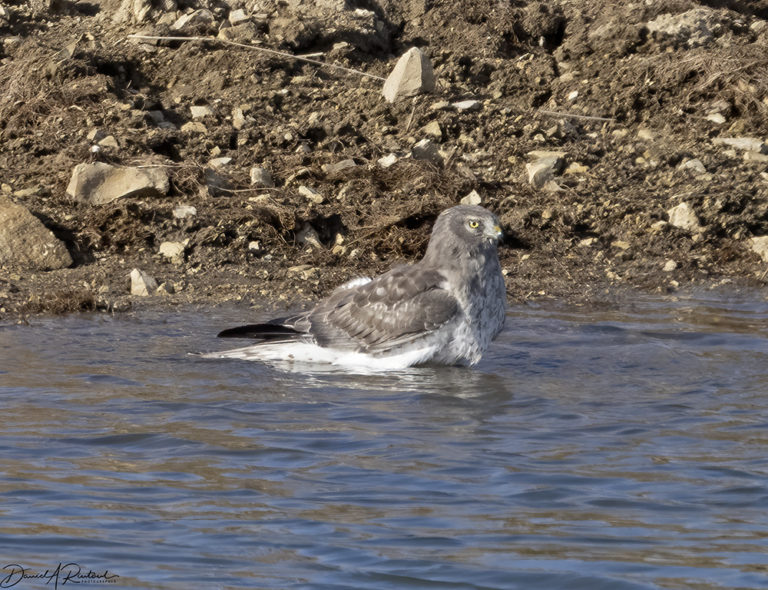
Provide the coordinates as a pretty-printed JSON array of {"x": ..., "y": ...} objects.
[
  {"x": 61, "y": 302},
  {"x": 739, "y": 78},
  {"x": 41, "y": 90}
]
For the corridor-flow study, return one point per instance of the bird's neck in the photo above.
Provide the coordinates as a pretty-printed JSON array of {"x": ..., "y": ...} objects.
[{"x": 466, "y": 263}]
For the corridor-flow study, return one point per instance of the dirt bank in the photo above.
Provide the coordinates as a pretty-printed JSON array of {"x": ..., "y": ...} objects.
[{"x": 636, "y": 97}]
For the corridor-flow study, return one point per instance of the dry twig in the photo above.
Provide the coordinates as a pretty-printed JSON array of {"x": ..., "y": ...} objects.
[
  {"x": 410, "y": 118},
  {"x": 262, "y": 49}
]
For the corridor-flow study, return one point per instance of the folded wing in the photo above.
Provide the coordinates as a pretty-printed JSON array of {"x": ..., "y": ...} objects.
[{"x": 403, "y": 306}]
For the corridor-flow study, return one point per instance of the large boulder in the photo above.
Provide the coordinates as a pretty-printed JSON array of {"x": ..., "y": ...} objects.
[
  {"x": 100, "y": 183},
  {"x": 25, "y": 242}
]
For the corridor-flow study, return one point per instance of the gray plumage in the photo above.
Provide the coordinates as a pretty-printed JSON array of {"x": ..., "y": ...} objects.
[{"x": 444, "y": 309}]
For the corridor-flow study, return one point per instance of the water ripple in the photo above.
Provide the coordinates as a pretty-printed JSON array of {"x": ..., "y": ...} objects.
[{"x": 607, "y": 448}]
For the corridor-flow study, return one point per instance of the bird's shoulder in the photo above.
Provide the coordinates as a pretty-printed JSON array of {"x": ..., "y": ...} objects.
[{"x": 401, "y": 283}]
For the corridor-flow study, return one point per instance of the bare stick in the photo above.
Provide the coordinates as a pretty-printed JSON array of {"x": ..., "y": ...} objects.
[
  {"x": 574, "y": 116},
  {"x": 410, "y": 118},
  {"x": 263, "y": 49},
  {"x": 248, "y": 190}
]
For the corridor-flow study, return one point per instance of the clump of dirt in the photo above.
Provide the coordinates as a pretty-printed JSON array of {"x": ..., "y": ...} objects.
[{"x": 632, "y": 95}]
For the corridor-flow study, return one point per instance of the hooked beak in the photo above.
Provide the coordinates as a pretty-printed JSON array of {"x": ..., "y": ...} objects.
[{"x": 494, "y": 233}]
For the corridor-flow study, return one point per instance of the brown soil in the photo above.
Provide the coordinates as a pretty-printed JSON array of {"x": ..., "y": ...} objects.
[{"x": 643, "y": 99}]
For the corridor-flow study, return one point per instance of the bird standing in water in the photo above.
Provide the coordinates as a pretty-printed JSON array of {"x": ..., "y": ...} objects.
[{"x": 445, "y": 309}]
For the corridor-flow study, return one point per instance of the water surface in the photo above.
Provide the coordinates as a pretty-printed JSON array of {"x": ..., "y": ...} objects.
[{"x": 592, "y": 448}]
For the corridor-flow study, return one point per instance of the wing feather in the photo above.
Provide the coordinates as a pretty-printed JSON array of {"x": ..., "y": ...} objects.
[
  {"x": 401, "y": 306},
  {"x": 268, "y": 331},
  {"x": 283, "y": 329}
]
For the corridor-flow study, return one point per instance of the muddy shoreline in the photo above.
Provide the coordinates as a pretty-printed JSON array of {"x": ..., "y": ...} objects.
[{"x": 657, "y": 116}]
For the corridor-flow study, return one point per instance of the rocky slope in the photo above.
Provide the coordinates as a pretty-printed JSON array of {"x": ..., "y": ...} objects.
[{"x": 623, "y": 145}]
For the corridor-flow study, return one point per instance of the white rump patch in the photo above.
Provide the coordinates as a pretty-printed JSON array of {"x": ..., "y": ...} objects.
[{"x": 289, "y": 353}]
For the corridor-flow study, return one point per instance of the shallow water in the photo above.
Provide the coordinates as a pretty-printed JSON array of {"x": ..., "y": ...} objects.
[{"x": 592, "y": 448}]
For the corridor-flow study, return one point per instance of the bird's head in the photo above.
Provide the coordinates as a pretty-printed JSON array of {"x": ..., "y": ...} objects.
[
  {"x": 464, "y": 228},
  {"x": 471, "y": 223}
]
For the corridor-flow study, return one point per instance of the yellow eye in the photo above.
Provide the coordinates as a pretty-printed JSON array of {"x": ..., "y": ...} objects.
[{"x": 474, "y": 224}]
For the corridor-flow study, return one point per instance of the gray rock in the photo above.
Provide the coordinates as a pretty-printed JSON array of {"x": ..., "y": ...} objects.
[
  {"x": 261, "y": 177},
  {"x": 199, "y": 112},
  {"x": 440, "y": 105},
  {"x": 101, "y": 183},
  {"x": 684, "y": 217},
  {"x": 308, "y": 235},
  {"x": 194, "y": 127},
  {"x": 311, "y": 194},
  {"x": 299, "y": 174},
  {"x": 693, "y": 28},
  {"x": 109, "y": 142},
  {"x": 543, "y": 170},
  {"x": 202, "y": 17},
  {"x": 751, "y": 144},
  {"x": 305, "y": 271},
  {"x": 241, "y": 33},
  {"x": 433, "y": 130},
  {"x": 132, "y": 11},
  {"x": 412, "y": 75},
  {"x": 427, "y": 150},
  {"x": 25, "y": 242},
  {"x": 184, "y": 211},
  {"x": 759, "y": 245},
  {"x": 239, "y": 120},
  {"x": 473, "y": 198},
  {"x": 25, "y": 193},
  {"x": 695, "y": 165},
  {"x": 387, "y": 161},
  {"x": 467, "y": 105},
  {"x": 541, "y": 154},
  {"x": 173, "y": 251},
  {"x": 646, "y": 134},
  {"x": 756, "y": 157},
  {"x": 238, "y": 17},
  {"x": 222, "y": 162},
  {"x": 576, "y": 168},
  {"x": 339, "y": 167},
  {"x": 333, "y": 5},
  {"x": 142, "y": 284},
  {"x": 716, "y": 118}
]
